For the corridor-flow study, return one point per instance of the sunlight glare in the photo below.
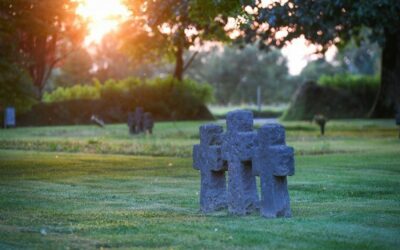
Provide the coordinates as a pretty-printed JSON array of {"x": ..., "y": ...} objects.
[
  {"x": 299, "y": 53},
  {"x": 102, "y": 17}
]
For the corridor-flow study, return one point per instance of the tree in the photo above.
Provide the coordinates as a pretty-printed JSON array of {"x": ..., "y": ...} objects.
[
  {"x": 363, "y": 59},
  {"x": 358, "y": 60},
  {"x": 166, "y": 28},
  {"x": 111, "y": 62},
  {"x": 326, "y": 23},
  {"x": 41, "y": 33},
  {"x": 16, "y": 87},
  {"x": 315, "y": 69},
  {"x": 75, "y": 69},
  {"x": 236, "y": 73}
]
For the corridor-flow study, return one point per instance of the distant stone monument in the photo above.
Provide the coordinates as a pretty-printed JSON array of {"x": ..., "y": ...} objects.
[
  {"x": 148, "y": 122},
  {"x": 131, "y": 123},
  {"x": 139, "y": 121},
  {"x": 245, "y": 154},
  {"x": 9, "y": 117},
  {"x": 207, "y": 159}
]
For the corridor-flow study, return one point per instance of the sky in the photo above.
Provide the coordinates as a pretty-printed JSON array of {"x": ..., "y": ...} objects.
[{"x": 104, "y": 16}]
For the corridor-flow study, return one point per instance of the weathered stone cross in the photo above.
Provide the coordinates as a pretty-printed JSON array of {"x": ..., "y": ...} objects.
[
  {"x": 237, "y": 150},
  {"x": 245, "y": 154},
  {"x": 207, "y": 159},
  {"x": 273, "y": 161}
]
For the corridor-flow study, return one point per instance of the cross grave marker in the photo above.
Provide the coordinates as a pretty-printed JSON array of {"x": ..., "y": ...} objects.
[
  {"x": 237, "y": 150},
  {"x": 207, "y": 159},
  {"x": 273, "y": 161}
]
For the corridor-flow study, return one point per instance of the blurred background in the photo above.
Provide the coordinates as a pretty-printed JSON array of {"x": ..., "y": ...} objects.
[{"x": 185, "y": 60}]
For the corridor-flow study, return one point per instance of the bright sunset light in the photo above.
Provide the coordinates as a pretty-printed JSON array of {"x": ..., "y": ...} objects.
[
  {"x": 103, "y": 16},
  {"x": 299, "y": 53}
]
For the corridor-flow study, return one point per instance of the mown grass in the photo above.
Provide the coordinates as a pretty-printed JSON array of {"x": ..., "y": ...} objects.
[
  {"x": 344, "y": 194},
  {"x": 177, "y": 139}
]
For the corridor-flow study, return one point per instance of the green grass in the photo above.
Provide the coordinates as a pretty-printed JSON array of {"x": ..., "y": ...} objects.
[
  {"x": 223, "y": 110},
  {"x": 345, "y": 193},
  {"x": 177, "y": 139}
]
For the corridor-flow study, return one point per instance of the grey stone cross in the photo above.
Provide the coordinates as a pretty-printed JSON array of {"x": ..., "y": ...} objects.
[
  {"x": 273, "y": 161},
  {"x": 138, "y": 116},
  {"x": 207, "y": 159},
  {"x": 237, "y": 150}
]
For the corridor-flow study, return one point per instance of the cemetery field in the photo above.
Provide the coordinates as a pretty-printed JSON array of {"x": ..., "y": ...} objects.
[{"x": 87, "y": 187}]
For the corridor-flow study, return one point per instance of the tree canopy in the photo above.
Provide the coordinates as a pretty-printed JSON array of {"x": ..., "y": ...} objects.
[
  {"x": 38, "y": 34},
  {"x": 236, "y": 73},
  {"x": 327, "y": 23},
  {"x": 160, "y": 28}
]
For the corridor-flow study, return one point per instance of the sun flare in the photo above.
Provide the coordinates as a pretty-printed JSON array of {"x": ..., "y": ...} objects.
[{"x": 102, "y": 16}]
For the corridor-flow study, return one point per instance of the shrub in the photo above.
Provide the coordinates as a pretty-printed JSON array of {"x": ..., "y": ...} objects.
[
  {"x": 77, "y": 92},
  {"x": 166, "y": 98},
  {"x": 354, "y": 83},
  {"x": 338, "y": 96},
  {"x": 115, "y": 90}
]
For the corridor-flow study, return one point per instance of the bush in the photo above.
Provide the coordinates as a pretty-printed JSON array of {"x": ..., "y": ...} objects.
[
  {"x": 354, "y": 83},
  {"x": 115, "y": 90},
  {"x": 338, "y": 96},
  {"x": 166, "y": 98},
  {"x": 77, "y": 92}
]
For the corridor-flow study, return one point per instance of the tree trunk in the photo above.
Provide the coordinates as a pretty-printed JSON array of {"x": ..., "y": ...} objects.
[
  {"x": 178, "y": 74},
  {"x": 387, "y": 100}
]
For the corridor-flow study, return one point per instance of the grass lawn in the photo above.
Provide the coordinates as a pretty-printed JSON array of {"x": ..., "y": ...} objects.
[{"x": 86, "y": 187}]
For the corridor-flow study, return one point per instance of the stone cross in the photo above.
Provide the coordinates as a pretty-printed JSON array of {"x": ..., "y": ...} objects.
[
  {"x": 273, "y": 161},
  {"x": 148, "y": 122},
  {"x": 237, "y": 150},
  {"x": 131, "y": 122},
  {"x": 139, "y": 121},
  {"x": 207, "y": 159},
  {"x": 138, "y": 118}
]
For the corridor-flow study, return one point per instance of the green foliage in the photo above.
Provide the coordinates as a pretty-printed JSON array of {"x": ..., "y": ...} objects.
[
  {"x": 166, "y": 98},
  {"x": 82, "y": 92},
  {"x": 338, "y": 22},
  {"x": 351, "y": 82},
  {"x": 16, "y": 88},
  {"x": 361, "y": 60},
  {"x": 166, "y": 28},
  {"x": 236, "y": 73},
  {"x": 323, "y": 22},
  {"x": 116, "y": 89},
  {"x": 39, "y": 34},
  {"x": 145, "y": 38},
  {"x": 315, "y": 69},
  {"x": 202, "y": 92},
  {"x": 337, "y": 96},
  {"x": 75, "y": 69}
]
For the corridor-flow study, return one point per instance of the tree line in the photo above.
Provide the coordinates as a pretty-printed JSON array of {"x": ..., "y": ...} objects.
[{"x": 37, "y": 36}]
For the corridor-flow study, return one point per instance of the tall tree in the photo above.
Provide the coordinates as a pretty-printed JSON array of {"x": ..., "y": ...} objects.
[
  {"x": 75, "y": 69},
  {"x": 42, "y": 33},
  {"x": 236, "y": 74},
  {"x": 15, "y": 83},
  {"x": 166, "y": 28},
  {"x": 327, "y": 22}
]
